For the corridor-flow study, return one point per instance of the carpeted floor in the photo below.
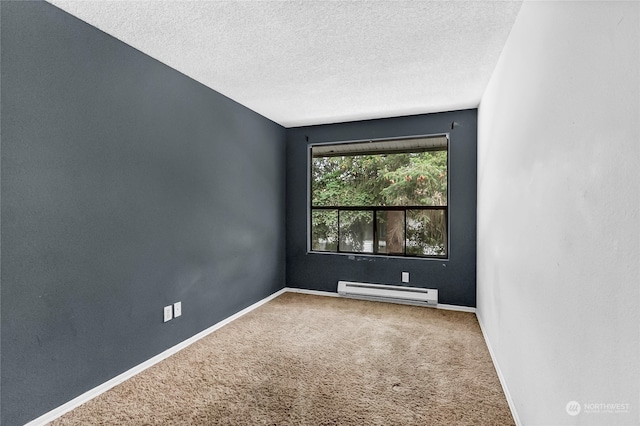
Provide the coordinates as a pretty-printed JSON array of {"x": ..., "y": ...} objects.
[{"x": 313, "y": 360}]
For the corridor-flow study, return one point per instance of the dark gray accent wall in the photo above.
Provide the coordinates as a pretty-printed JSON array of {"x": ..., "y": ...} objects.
[
  {"x": 454, "y": 278},
  {"x": 126, "y": 186}
]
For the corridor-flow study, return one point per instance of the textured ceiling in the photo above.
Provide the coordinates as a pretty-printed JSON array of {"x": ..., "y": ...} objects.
[{"x": 313, "y": 62}]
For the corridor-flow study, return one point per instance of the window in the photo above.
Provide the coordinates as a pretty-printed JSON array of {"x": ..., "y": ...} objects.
[{"x": 383, "y": 197}]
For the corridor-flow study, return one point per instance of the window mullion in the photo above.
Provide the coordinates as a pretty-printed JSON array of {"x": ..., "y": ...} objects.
[
  {"x": 339, "y": 237},
  {"x": 375, "y": 231},
  {"x": 404, "y": 249}
]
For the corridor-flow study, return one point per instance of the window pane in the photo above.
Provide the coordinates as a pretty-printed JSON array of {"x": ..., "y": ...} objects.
[
  {"x": 407, "y": 179},
  {"x": 390, "y": 229},
  {"x": 324, "y": 230},
  {"x": 426, "y": 232},
  {"x": 419, "y": 180},
  {"x": 369, "y": 184},
  {"x": 356, "y": 231}
]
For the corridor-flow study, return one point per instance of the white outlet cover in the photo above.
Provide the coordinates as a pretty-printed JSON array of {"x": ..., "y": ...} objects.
[
  {"x": 168, "y": 313},
  {"x": 177, "y": 309},
  {"x": 405, "y": 277}
]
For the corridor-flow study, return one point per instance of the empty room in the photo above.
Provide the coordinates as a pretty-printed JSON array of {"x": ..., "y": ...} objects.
[{"x": 320, "y": 212}]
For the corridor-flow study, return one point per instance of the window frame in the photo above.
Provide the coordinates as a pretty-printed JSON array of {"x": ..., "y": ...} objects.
[{"x": 405, "y": 255}]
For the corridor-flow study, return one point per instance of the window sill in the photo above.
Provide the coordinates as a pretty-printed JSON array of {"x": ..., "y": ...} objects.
[{"x": 368, "y": 256}]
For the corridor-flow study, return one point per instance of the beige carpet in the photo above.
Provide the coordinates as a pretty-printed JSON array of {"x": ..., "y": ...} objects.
[{"x": 313, "y": 360}]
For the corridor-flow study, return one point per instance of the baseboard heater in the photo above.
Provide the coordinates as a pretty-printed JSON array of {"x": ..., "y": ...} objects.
[{"x": 389, "y": 293}]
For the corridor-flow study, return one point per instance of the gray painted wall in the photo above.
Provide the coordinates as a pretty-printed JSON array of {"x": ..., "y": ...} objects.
[
  {"x": 126, "y": 186},
  {"x": 454, "y": 278}
]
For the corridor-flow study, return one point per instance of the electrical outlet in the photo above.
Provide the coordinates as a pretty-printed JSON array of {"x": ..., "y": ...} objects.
[
  {"x": 168, "y": 313},
  {"x": 177, "y": 309},
  {"x": 405, "y": 277}
]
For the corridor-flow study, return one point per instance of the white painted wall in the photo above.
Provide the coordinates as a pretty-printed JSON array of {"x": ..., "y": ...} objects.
[{"x": 558, "y": 211}]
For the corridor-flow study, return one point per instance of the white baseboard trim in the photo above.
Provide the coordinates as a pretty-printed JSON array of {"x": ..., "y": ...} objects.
[
  {"x": 456, "y": 308},
  {"x": 503, "y": 383},
  {"x": 333, "y": 294},
  {"x": 314, "y": 292},
  {"x": 90, "y": 394}
]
